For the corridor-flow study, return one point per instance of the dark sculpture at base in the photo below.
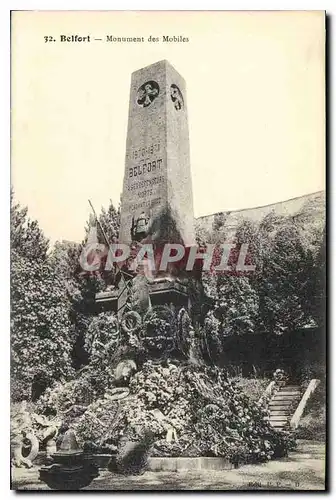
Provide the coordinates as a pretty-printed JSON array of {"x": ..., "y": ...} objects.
[{"x": 71, "y": 469}]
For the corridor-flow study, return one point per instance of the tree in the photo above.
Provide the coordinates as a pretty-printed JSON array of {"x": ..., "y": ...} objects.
[
  {"x": 237, "y": 306},
  {"x": 287, "y": 289},
  {"x": 40, "y": 340},
  {"x": 289, "y": 261},
  {"x": 109, "y": 220},
  {"x": 82, "y": 286},
  {"x": 286, "y": 286},
  {"x": 319, "y": 276},
  {"x": 26, "y": 237}
]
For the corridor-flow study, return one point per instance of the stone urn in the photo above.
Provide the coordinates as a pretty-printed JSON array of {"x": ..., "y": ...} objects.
[{"x": 71, "y": 468}]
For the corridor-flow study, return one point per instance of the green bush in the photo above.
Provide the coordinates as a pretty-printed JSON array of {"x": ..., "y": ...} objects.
[{"x": 253, "y": 387}]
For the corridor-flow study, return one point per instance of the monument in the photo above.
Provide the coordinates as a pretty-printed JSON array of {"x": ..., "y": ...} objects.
[
  {"x": 157, "y": 198},
  {"x": 162, "y": 395},
  {"x": 157, "y": 201}
]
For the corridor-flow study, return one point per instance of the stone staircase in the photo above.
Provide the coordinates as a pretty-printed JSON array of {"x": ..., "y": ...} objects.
[{"x": 283, "y": 405}]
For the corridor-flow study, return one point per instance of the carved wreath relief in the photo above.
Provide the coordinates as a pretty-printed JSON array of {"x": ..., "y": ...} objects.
[
  {"x": 158, "y": 333},
  {"x": 176, "y": 97},
  {"x": 147, "y": 93}
]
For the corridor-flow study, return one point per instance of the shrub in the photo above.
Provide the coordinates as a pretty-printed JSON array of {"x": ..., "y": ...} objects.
[
  {"x": 253, "y": 387},
  {"x": 40, "y": 337}
]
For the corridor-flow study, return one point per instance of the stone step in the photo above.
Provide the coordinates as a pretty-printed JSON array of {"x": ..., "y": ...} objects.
[
  {"x": 279, "y": 407},
  {"x": 288, "y": 393},
  {"x": 287, "y": 402},
  {"x": 279, "y": 401},
  {"x": 280, "y": 397},
  {"x": 279, "y": 421},
  {"x": 280, "y": 412},
  {"x": 288, "y": 396}
]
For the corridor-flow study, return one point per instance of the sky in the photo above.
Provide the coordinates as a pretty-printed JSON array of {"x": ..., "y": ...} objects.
[{"x": 255, "y": 92}]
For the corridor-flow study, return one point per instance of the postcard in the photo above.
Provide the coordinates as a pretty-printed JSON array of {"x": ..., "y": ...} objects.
[{"x": 168, "y": 241}]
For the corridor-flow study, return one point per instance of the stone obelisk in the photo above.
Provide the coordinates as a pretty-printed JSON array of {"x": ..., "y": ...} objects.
[{"x": 157, "y": 201}]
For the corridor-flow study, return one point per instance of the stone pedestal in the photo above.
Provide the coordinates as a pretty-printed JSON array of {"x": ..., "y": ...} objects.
[
  {"x": 161, "y": 291},
  {"x": 72, "y": 469}
]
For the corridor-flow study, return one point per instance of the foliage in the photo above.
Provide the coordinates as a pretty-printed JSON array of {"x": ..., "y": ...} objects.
[
  {"x": 237, "y": 305},
  {"x": 284, "y": 282},
  {"x": 253, "y": 387},
  {"x": 109, "y": 221},
  {"x": 211, "y": 336},
  {"x": 40, "y": 340},
  {"x": 229, "y": 425},
  {"x": 287, "y": 290},
  {"x": 61, "y": 397},
  {"x": 26, "y": 238},
  {"x": 233, "y": 314},
  {"x": 95, "y": 378},
  {"x": 316, "y": 304},
  {"x": 82, "y": 286}
]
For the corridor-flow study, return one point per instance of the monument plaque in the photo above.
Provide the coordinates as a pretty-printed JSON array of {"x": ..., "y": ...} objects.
[{"x": 157, "y": 202}]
